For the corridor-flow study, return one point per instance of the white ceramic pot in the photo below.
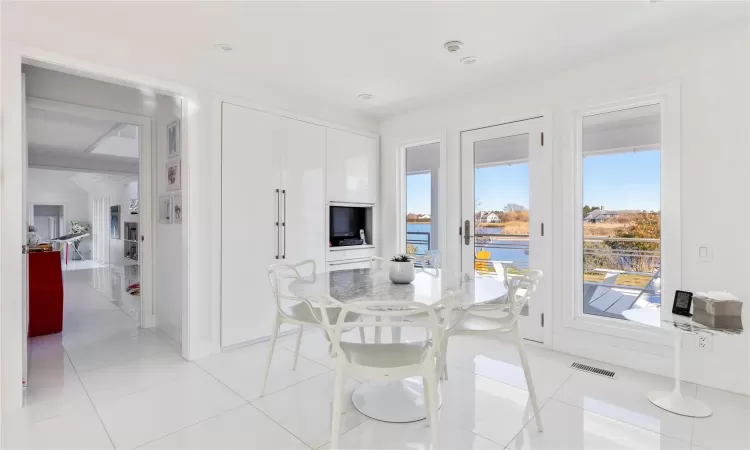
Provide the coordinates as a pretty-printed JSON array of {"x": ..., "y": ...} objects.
[{"x": 401, "y": 272}]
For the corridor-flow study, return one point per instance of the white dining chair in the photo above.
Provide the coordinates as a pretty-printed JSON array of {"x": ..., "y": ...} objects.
[
  {"x": 430, "y": 259},
  {"x": 498, "y": 317},
  {"x": 293, "y": 310},
  {"x": 394, "y": 361}
]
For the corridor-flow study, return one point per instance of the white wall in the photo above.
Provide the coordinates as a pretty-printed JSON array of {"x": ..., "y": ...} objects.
[
  {"x": 55, "y": 187},
  {"x": 169, "y": 252},
  {"x": 712, "y": 69},
  {"x": 119, "y": 194}
]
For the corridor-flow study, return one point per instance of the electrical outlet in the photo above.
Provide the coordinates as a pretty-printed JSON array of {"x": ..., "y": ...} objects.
[{"x": 704, "y": 342}]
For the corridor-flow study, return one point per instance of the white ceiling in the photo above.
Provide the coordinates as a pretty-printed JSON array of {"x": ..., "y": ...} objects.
[
  {"x": 64, "y": 140},
  {"x": 328, "y": 52},
  {"x": 58, "y": 131}
]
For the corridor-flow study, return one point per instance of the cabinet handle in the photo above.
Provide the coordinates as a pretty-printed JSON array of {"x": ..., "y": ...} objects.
[
  {"x": 283, "y": 224},
  {"x": 278, "y": 209}
]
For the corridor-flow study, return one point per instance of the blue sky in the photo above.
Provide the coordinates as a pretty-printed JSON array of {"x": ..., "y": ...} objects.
[{"x": 615, "y": 181}]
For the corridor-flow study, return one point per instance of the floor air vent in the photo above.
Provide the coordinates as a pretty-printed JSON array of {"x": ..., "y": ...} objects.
[{"x": 594, "y": 370}]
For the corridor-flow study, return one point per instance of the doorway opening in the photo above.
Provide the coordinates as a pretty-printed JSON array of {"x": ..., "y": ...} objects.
[{"x": 90, "y": 187}]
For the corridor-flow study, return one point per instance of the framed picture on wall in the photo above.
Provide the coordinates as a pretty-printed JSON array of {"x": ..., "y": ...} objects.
[
  {"x": 114, "y": 222},
  {"x": 173, "y": 139},
  {"x": 174, "y": 175},
  {"x": 177, "y": 207},
  {"x": 165, "y": 209}
]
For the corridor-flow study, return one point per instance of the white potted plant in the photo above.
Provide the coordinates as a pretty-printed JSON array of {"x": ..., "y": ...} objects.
[{"x": 401, "y": 269}]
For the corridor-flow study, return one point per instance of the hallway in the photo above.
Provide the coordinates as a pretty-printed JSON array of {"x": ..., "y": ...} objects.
[{"x": 74, "y": 376}]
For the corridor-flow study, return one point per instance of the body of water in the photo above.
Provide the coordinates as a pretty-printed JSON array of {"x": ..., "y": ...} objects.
[{"x": 514, "y": 251}]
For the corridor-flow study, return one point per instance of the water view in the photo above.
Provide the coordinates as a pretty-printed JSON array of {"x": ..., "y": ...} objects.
[{"x": 503, "y": 249}]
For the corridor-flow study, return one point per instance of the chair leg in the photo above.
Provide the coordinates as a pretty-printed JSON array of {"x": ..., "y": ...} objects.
[
  {"x": 431, "y": 403},
  {"x": 296, "y": 348},
  {"x": 272, "y": 344},
  {"x": 377, "y": 331},
  {"x": 527, "y": 374},
  {"x": 427, "y": 406},
  {"x": 362, "y": 337},
  {"x": 443, "y": 359},
  {"x": 395, "y": 335},
  {"x": 338, "y": 394}
]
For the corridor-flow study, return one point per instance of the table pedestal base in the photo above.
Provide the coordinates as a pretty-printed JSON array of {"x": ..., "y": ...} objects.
[
  {"x": 392, "y": 401},
  {"x": 677, "y": 403}
]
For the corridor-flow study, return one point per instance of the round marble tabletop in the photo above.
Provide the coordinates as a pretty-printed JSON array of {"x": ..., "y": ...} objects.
[
  {"x": 403, "y": 400},
  {"x": 430, "y": 286}
]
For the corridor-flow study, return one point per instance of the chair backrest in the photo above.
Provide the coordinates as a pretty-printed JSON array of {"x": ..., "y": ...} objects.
[
  {"x": 380, "y": 314},
  {"x": 521, "y": 284},
  {"x": 280, "y": 275},
  {"x": 430, "y": 259},
  {"x": 378, "y": 262}
]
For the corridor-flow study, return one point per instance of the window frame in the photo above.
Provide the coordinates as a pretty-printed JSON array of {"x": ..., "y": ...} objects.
[
  {"x": 441, "y": 238},
  {"x": 668, "y": 98}
]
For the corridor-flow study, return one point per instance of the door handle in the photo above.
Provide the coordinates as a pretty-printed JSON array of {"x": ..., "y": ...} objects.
[
  {"x": 278, "y": 232},
  {"x": 283, "y": 224},
  {"x": 467, "y": 232}
]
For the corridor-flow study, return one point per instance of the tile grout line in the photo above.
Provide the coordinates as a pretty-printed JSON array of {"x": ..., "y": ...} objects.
[
  {"x": 249, "y": 402},
  {"x": 369, "y": 419},
  {"x": 191, "y": 425},
  {"x": 96, "y": 411},
  {"x": 551, "y": 397},
  {"x": 692, "y": 424}
]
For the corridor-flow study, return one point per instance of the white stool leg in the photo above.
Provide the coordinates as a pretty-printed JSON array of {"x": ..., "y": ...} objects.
[
  {"x": 527, "y": 374},
  {"x": 272, "y": 344},
  {"x": 296, "y": 348},
  {"x": 362, "y": 335},
  {"x": 338, "y": 394}
]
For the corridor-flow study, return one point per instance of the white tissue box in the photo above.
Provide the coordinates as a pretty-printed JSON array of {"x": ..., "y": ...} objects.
[{"x": 717, "y": 304}]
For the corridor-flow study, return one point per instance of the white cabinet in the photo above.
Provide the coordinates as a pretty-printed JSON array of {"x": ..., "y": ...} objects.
[
  {"x": 273, "y": 210},
  {"x": 303, "y": 181},
  {"x": 277, "y": 177},
  {"x": 251, "y": 174},
  {"x": 352, "y": 167}
]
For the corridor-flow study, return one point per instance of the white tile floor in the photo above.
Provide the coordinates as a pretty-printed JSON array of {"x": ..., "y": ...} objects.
[{"x": 107, "y": 384}]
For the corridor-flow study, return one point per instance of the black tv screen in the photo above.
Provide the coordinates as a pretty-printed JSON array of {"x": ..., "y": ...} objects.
[{"x": 346, "y": 221}]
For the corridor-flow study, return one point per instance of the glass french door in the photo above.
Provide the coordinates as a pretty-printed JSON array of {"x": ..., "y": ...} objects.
[{"x": 505, "y": 199}]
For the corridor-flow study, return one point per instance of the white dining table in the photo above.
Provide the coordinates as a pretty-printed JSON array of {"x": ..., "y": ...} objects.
[{"x": 403, "y": 400}]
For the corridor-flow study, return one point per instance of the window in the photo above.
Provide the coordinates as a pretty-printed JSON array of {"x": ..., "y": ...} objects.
[
  {"x": 422, "y": 187},
  {"x": 621, "y": 211}
]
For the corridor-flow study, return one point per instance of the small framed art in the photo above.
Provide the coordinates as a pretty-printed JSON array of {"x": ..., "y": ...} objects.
[
  {"x": 174, "y": 175},
  {"x": 173, "y": 139}
]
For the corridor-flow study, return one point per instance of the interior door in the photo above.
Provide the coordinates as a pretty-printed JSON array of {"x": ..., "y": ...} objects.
[
  {"x": 505, "y": 194},
  {"x": 303, "y": 194},
  {"x": 25, "y": 211},
  {"x": 250, "y": 236}
]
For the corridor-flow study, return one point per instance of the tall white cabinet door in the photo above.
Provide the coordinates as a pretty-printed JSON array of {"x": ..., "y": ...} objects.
[
  {"x": 303, "y": 182},
  {"x": 352, "y": 163},
  {"x": 250, "y": 239}
]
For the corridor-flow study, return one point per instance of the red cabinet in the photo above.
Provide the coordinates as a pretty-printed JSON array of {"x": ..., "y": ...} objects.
[{"x": 45, "y": 293}]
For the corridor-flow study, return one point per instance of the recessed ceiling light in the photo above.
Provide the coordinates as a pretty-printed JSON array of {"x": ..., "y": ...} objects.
[
  {"x": 223, "y": 47},
  {"x": 469, "y": 60},
  {"x": 453, "y": 46},
  {"x": 364, "y": 97}
]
